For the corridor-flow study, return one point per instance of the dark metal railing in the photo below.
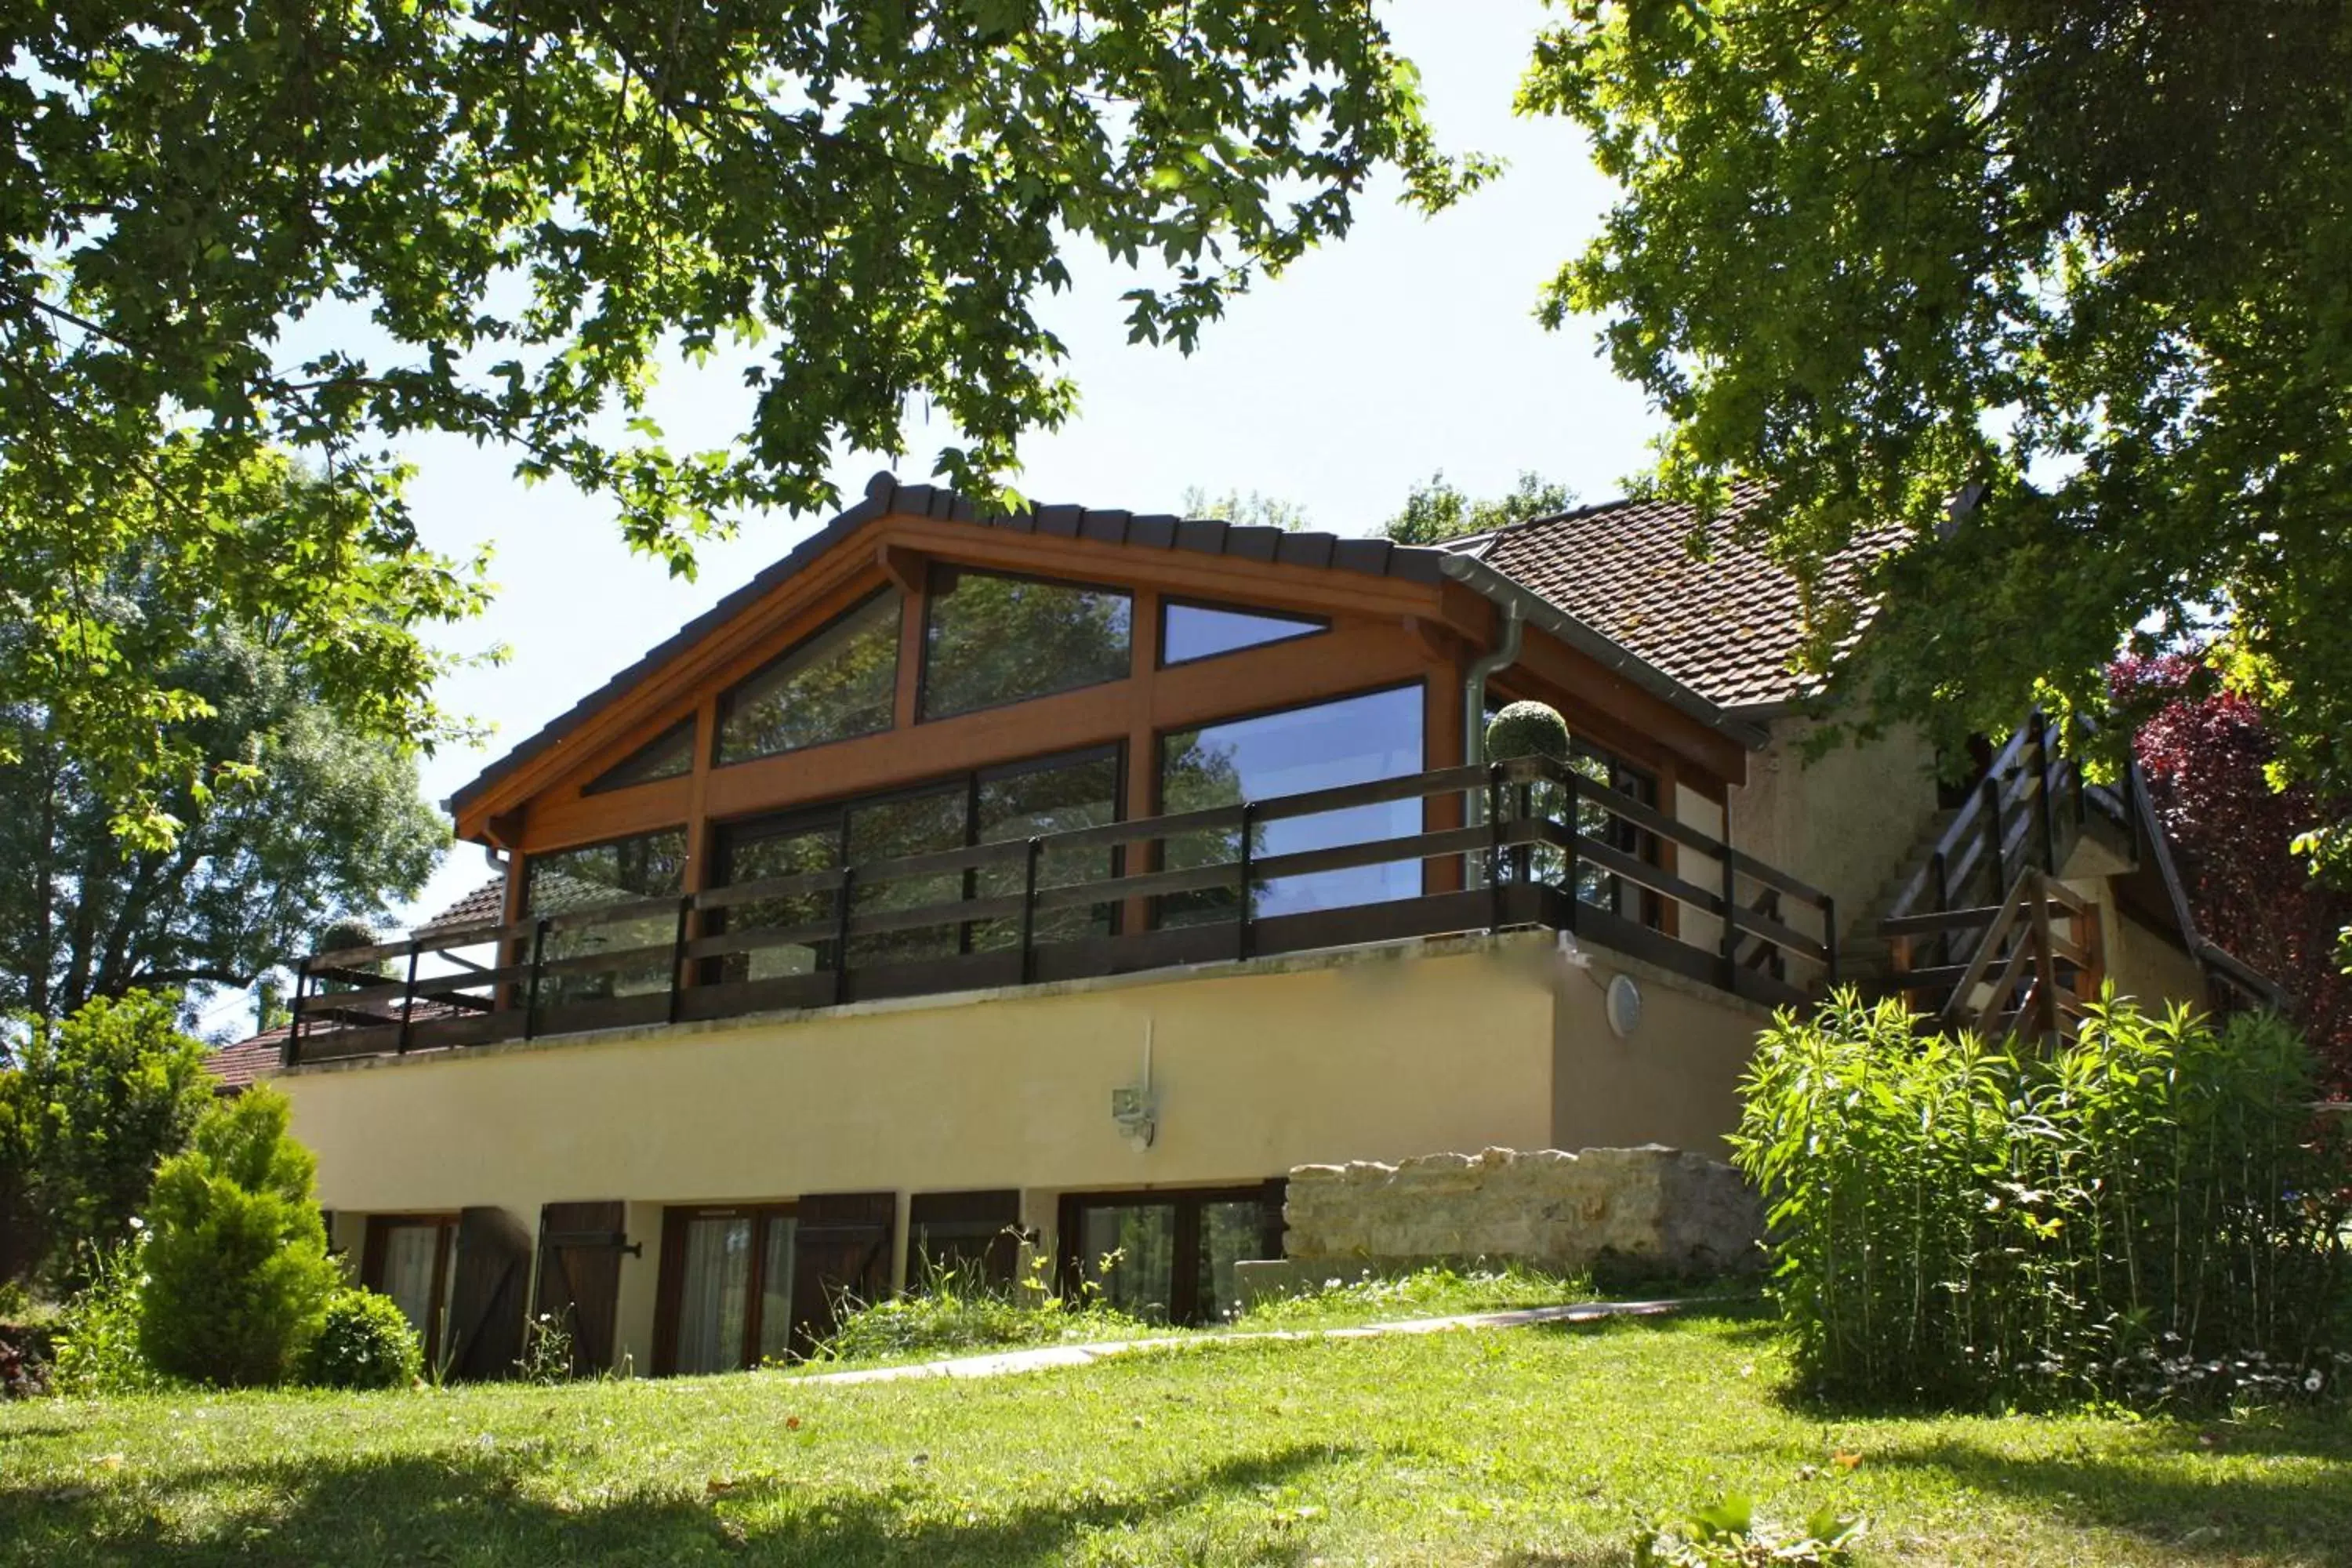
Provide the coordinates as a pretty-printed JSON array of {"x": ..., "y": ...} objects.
[{"x": 833, "y": 936}]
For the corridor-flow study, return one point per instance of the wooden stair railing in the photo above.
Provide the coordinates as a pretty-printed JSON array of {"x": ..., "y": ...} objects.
[{"x": 1973, "y": 936}]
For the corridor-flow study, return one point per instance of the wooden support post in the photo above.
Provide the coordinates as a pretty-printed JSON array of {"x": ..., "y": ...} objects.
[
  {"x": 677, "y": 954},
  {"x": 290, "y": 1053},
  {"x": 530, "y": 995},
  {"x": 840, "y": 936},
  {"x": 408, "y": 996},
  {"x": 1029, "y": 910},
  {"x": 1247, "y": 907}
]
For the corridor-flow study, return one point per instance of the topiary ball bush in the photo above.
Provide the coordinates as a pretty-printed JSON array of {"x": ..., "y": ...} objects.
[
  {"x": 1527, "y": 730},
  {"x": 365, "y": 1342}
]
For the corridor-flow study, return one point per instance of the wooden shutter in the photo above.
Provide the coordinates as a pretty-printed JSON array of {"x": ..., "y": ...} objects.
[
  {"x": 486, "y": 1300},
  {"x": 842, "y": 1246},
  {"x": 966, "y": 1228},
  {"x": 580, "y": 1247}
]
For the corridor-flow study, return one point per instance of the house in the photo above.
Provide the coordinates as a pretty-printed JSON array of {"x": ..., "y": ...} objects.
[{"x": 964, "y": 882}]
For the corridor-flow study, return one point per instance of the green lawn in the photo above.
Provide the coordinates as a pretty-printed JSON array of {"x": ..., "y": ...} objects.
[{"x": 1531, "y": 1447}]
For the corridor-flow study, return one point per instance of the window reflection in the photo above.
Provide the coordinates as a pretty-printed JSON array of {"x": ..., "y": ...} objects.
[
  {"x": 838, "y": 684},
  {"x": 669, "y": 755},
  {"x": 597, "y": 876},
  {"x": 885, "y": 830},
  {"x": 1548, "y": 864},
  {"x": 1188, "y": 632},
  {"x": 1352, "y": 741},
  {"x": 1029, "y": 800},
  {"x": 990, "y": 639},
  {"x": 1030, "y": 803}
]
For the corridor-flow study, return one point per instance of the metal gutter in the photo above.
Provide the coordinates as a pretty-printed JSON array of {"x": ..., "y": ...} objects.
[{"x": 1507, "y": 594}]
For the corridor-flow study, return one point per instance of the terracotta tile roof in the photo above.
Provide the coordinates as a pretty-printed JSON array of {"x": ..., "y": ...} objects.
[
  {"x": 485, "y": 905},
  {"x": 1726, "y": 626},
  {"x": 243, "y": 1063},
  {"x": 240, "y": 1066}
]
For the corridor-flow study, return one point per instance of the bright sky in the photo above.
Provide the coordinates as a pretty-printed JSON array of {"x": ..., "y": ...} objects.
[{"x": 1410, "y": 347}]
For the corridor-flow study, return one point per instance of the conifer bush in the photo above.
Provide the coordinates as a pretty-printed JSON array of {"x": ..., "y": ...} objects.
[
  {"x": 237, "y": 1273},
  {"x": 2150, "y": 1212}
]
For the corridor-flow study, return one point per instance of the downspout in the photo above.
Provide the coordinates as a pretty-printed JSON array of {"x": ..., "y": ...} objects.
[{"x": 1473, "y": 721}]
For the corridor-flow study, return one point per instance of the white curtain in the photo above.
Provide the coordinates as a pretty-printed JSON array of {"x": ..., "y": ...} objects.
[
  {"x": 409, "y": 1253},
  {"x": 713, "y": 1295}
]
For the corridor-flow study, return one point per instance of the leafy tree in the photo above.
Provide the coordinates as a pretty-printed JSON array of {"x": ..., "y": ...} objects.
[
  {"x": 1250, "y": 511},
  {"x": 237, "y": 1273},
  {"x": 2206, "y": 752},
  {"x": 2079, "y": 264},
  {"x": 290, "y": 819},
  {"x": 1437, "y": 512},
  {"x": 495, "y": 221},
  {"x": 121, "y": 563},
  {"x": 102, "y": 1097}
]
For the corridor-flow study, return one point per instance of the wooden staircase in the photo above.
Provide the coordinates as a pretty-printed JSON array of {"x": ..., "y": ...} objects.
[{"x": 1977, "y": 931}]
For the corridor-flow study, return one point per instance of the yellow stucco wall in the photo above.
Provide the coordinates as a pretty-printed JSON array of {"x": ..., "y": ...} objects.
[
  {"x": 1371, "y": 1055},
  {"x": 1674, "y": 1080},
  {"x": 1844, "y": 822}
]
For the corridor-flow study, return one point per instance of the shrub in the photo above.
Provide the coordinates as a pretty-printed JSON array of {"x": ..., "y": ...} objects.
[
  {"x": 2146, "y": 1212},
  {"x": 239, "y": 1275},
  {"x": 364, "y": 1341},
  {"x": 97, "y": 1345},
  {"x": 957, "y": 1310},
  {"x": 1527, "y": 730},
  {"x": 102, "y": 1098}
]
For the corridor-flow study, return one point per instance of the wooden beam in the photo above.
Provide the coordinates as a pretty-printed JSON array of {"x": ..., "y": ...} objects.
[
  {"x": 900, "y": 565},
  {"x": 1438, "y": 641}
]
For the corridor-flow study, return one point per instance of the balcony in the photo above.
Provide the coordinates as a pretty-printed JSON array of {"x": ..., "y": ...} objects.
[{"x": 1557, "y": 851}]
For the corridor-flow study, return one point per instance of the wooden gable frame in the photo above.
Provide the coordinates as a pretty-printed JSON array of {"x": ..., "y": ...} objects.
[{"x": 1384, "y": 630}]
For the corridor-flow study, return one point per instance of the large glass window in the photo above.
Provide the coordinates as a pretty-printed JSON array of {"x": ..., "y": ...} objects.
[
  {"x": 1025, "y": 801},
  {"x": 1031, "y": 802},
  {"x": 1352, "y": 741},
  {"x": 667, "y": 755},
  {"x": 990, "y": 639},
  {"x": 1188, "y": 632},
  {"x": 838, "y": 684},
  {"x": 918, "y": 824},
  {"x": 623, "y": 870},
  {"x": 1170, "y": 1256}
]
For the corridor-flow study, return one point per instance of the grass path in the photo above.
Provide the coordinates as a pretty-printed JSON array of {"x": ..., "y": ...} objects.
[{"x": 1532, "y": 1449}]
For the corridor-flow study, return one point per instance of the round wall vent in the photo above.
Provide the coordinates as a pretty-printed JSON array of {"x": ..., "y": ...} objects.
[{"x": 1624, "y": 1007}]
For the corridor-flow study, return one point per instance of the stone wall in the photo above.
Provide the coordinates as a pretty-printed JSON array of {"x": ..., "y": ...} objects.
[{"x": 1652, "y": 1208}]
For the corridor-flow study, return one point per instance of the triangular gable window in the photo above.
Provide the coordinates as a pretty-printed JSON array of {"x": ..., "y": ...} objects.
[
  {"x": 832, "y": 687},
  {"x": 1189, "y": 632},
  {"x": 667, "y": 755}
]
